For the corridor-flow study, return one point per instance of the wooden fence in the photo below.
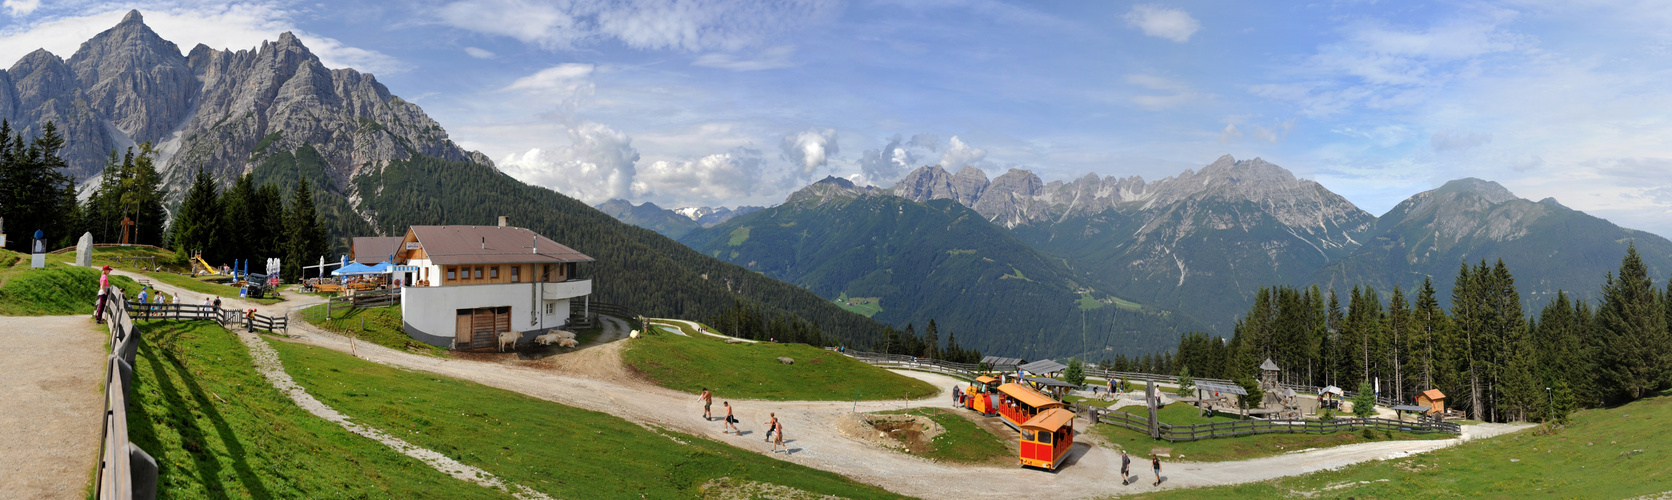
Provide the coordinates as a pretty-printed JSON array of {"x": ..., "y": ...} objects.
[
  {"x": 1175, "y": 433},
  {"x": 226, "y": 317},
  {"x": 125, "y": 471}
]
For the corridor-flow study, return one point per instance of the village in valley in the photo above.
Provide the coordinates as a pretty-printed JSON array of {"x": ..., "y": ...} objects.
[{"x": 257, "y": 273}]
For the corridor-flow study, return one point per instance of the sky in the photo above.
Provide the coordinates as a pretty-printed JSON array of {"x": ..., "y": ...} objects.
[{"x": 729, "y": 103}]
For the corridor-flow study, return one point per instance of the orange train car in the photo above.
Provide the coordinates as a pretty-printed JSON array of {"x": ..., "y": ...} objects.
[
  {"x": 979, "y": 395},
  {"x": 1018, "y": 403},
  {"x": 1046, "y": 438}
]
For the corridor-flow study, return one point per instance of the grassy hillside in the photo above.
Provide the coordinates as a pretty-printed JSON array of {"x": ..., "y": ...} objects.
[
  {"x": 752, "y": 371},
  {"x": 58, "y": 289},
  {"x": 910, "y": 262},
  {"x": 562, "y": 451},
  {"x": 1605, "y": 453},
  {"x": 218, "y": 430},
  {"x": 636, "y": 267}
]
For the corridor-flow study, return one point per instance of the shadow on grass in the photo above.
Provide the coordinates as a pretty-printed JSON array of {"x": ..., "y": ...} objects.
[{"x": 188, "y": 420}]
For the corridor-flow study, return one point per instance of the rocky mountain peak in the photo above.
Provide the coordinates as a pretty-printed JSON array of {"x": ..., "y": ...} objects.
[
  {"x": 132, "y": 18},
  {"x": 828, "y": 189},
  {"x": 1491, "y": 191}
]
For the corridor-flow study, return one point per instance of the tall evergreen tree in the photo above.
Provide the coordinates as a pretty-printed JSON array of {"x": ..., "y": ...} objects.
[
  {"x": 197, "y": 228},
  {"x": 1398, "y": 327},
  {"x": 34, "y": 190},
  {"x": 1631, "y": 323},
  {"x": 305, "y": 236}
]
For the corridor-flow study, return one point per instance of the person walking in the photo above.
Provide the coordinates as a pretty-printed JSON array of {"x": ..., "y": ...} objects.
[
  {"x": 104, "y": 293},
  {"x": 707, "y": 401},
  {"x": 1125, "y": 468},
  {"x": 778, "y": 437},
  {"x": 1155, "y": 461},
  {"x": 731, "y": 421},
  {"x": 771, "y": 426}
]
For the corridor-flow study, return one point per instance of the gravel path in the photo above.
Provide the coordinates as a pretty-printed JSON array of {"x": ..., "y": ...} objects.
[
  {"x": 50, "y": 402},
  {"x": 815, "y": 439},
  {"x": 267, "y": 362}
]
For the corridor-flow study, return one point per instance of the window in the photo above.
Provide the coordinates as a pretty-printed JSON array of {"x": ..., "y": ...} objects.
[
  {"x": 1044, "y": 438},
  {"x": 452, "y": 273},
  {"x": 478, "y": 273},
  {"x": 551, "y": 308},
  {"x": 547, "y": 275},
  {"x": 493, "y": 272},
  {"x": 516, "y": 274},
  {"x": 1027, "y": 435}
]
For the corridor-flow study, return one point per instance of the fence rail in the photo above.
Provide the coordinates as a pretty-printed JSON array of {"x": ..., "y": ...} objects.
[
  {"x": 1176, "y": 433},
  {"x": 226, "y": 317},
  {"x": 125, "y": 471}
]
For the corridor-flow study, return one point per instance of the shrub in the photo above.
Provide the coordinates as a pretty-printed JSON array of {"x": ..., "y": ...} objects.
[{"x": 1369, "y": 434}]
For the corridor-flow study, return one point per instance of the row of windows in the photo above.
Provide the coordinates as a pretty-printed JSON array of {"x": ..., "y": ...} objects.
[{"x": 492, "y": 272}]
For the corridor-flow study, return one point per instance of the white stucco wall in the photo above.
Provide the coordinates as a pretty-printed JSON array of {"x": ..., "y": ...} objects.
[{"x": 430, "y": 313}]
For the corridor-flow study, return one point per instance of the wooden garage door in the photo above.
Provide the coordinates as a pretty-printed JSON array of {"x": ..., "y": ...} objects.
[
  {"x": 462, "y": 333},
  {"x": 485, "y": 325}
]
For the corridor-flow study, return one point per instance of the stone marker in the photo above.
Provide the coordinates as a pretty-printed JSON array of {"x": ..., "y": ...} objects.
[{"x": 84, "y": 250}]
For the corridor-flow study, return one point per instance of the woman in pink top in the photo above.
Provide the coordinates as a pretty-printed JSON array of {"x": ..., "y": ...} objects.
[{"x": 104, "y": 288}]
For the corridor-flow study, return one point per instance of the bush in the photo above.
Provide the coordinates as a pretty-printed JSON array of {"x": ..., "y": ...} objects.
[
  {"x": 1186, "y": 382},
  {"x": 1076, "y": 372},
  {"x": 1327, "y": 416},
  {"x": 1369, "y": 434},
  {"x": 1364, "y": 401}
]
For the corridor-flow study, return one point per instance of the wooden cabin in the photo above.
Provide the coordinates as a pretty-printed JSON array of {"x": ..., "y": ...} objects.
[
  {"x": 1046, "y": 438},
  {"x": 1434, "y": 400}
]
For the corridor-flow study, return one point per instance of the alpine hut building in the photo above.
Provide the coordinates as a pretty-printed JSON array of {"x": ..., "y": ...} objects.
[{"x": 468, "y": 284}]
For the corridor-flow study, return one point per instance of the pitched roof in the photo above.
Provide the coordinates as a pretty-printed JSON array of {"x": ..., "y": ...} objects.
[
  {"x": 1050, "y": 382},
  {"x": 984, "y": 380},
  {"x": 1269, "y": 366},
  {"x": 1028, "y": 396},
  {"x": 1043, "y": 366},
  {"x": 998, "y": 361},
  {"x": 448, "y": 245},
  {"x": 1050, "y": 420},
  {"x": 374, "y": 249},
  {"x": 1433, "y": 394}
]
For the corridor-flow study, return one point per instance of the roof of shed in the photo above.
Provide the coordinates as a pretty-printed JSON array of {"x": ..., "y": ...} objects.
[{"x": 447, "y": 245}]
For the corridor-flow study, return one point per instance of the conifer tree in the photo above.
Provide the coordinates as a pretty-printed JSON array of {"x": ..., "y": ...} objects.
[
  {"x": 1631, "y": 323},
  {"x": 197, "y": 227},
  {"x": 1398, "y": 326},
  {"x": 305, "y": 236}
]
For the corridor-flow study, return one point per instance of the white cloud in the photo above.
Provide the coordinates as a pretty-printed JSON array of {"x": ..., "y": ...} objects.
[
  {"x": 810, "y": 149},
  {"x": 22, "y": 7},
  {"x": 479, "y": 53},
  {"x": 1272, "y": 132},
  {"x": 1163, "y": 22},
  {"x": 959, "y": 154},
  {"x": 715, "y": 178},
  {"x": 1177, "y": 93},
  {"x": 878, "y": 166},
  {"x": 1229, "y": 134},
  {"x": 563, "y": 78},
  {"x": 640, "y": 24},
  {"x": 597, "y": 165},
  {"x": 1447, "y": 140},
  {"x": 773, "y": 58},
  {"x": 234, "y": 26}
]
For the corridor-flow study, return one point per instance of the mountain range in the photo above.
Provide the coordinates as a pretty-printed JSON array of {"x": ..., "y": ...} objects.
[
  {"x": 1198, "y": 244},
  {"x": 376, "y": 161},
  {"x": 672, "y": 223}
]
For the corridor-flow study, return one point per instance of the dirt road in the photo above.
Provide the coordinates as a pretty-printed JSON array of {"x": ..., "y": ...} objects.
[
  {"x": 50, "y": 404},
  {"x": 598, "y": 383}
]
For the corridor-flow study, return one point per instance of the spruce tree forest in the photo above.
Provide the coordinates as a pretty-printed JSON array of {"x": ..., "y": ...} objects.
[{"x": 1491, "y": 358}]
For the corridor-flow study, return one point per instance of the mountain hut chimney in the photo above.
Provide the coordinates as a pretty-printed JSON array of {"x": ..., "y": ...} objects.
[{"x": 503, "y": 220}]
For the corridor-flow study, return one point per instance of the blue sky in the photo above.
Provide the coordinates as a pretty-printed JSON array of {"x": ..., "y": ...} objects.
[{"x": 705, "y": 103}]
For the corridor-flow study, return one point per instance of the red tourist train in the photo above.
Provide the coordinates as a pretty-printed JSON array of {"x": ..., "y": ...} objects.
[{"x": 1046, "y": 438}]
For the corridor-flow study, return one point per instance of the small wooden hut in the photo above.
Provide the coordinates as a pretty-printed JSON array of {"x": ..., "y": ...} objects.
[{"x": 1434, "y": 400}]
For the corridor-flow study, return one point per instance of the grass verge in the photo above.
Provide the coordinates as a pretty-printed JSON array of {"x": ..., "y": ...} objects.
[
  {"x": 379, "y": 325},
  {"x": 562, "y": 451},
  {"x": 963, "y": 441},
  {"x": 219, "y": 430},
  {"x": 1617, "y": 452},
  {"x": 752, "y": 371},
  {"x": 58, "y": 289}
]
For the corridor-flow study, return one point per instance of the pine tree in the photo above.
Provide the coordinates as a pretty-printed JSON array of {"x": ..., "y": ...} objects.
[
  {"x": 1398, "y": 326},
  {"x": 305, "y": 236},
  {"x": 1076, "y": 372},
  {"x": 197, "y": 227},
  {"x": 931, "y": 341},
  {"x": 1632, "y": 325}
]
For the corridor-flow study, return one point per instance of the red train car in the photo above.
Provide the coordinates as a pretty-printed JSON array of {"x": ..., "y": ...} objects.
[
  {"x": 1046, "y": 438},
  {"x": 1019, "y": 403},
  {"x": 979, "y": 395}
]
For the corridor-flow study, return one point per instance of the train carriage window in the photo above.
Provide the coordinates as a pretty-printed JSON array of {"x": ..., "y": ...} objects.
[
  {"x": 1027, "y": 435},
  {"x": 1044, "y": 438}
]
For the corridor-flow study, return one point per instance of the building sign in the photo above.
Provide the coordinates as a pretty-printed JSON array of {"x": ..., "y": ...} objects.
[{"x": 411, "y": 245}]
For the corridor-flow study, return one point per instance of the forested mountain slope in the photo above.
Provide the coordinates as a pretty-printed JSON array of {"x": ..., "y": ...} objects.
[
  {"x": 936, "y": 260},
  {"x": 1550, "y": 246},
  {"x": 649, "y": 216},
  {"x": 636, "y": 267}
]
